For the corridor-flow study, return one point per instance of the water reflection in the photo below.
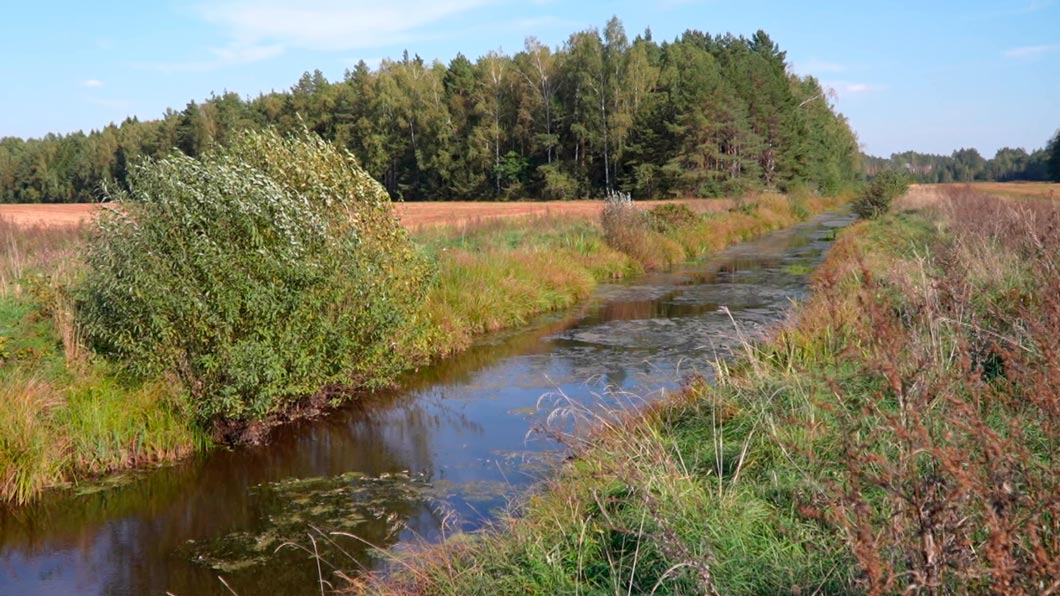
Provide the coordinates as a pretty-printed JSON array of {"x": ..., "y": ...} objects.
[{"x": 447, "y": 450}]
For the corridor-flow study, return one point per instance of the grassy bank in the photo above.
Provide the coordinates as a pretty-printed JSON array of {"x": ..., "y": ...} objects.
[
  {"x": 63, "y": 415},
  {"x": 499, "y": 273},
  {"x": 67, "y": 415},
  {"x": 900, "y": 434}
]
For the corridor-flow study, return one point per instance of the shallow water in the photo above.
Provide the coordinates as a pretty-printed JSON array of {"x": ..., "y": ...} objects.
[{"x": 441, "y": 455}]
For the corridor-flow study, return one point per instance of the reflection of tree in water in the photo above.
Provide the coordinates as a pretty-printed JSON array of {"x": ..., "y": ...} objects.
[
  {"x": 387, "y": 499},
  {"x": 492, "y": 349}
]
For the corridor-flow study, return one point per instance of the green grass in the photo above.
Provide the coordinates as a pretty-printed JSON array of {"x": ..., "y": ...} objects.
[
  {"x": 61, "y": 424},
  {"x": 63, "y": 417},
  {"x": 55, "y": 432}
]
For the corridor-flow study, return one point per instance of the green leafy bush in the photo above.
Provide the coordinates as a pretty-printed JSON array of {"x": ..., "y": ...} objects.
[
  {"x": 671, "y": 216},
  {"x": 884, "y": 188},
  {"x": 256, "y": 275},
  {"x": 556, "y": 184}
]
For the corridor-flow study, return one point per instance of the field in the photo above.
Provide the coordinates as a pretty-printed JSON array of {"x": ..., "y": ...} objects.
[
  {"x": 413, "y": 215},
  {"x": 1016, "y": 189}
]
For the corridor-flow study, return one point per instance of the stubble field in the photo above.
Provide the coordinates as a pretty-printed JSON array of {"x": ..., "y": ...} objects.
[{"x": 413, "y": 215}]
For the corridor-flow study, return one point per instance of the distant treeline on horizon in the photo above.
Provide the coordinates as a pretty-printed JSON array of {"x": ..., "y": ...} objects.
[
  {"x": 965, "y": 165},
  {"x": 698, "y": 116}
]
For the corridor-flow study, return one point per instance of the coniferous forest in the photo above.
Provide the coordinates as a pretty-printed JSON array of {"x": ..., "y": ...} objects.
[
  {"x": 701, "y": 115},
  {"x": 967, "y": 165}
]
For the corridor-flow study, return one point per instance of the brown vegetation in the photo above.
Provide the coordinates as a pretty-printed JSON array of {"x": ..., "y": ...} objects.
[
  {"x": 950, "y": 477},
  {"x": 1044, "y": 190}
]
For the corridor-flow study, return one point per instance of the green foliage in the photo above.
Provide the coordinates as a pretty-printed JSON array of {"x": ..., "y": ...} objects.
[
  {"x": 671, "y": 216},
  {"x": 700, "y": 115},
  {"x": 256, "y": 275},
  {"x": 966, "y": 165},
  {"x": 557, "y": 185},
  {"x": 882, "y": 190},
  {"x": 1052, "y": 157},
  {"x": 512, "y": 168}
]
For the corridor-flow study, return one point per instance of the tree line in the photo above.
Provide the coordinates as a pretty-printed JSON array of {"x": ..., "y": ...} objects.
[
  {"x": 700, "y": 115},
  {"x": 967, "y": 165}
]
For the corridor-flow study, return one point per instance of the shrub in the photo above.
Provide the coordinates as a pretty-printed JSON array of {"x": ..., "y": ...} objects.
[
  {"x": 256, "y": 275},
  {"x": 557, "y": 185},
  {"x": 671, "y": 216},
  {"x": 877, "y": 198}
]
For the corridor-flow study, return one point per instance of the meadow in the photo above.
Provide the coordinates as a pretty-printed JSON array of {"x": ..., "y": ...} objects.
[{"x": 897, "y": 434}]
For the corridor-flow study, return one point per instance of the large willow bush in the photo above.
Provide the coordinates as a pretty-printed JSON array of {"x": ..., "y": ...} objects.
[{"x": 255, "y": 275}]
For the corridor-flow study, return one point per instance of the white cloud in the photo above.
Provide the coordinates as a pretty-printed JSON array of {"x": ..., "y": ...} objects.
[
  {"x": 1033, "y": 6},
  {"x": 230, "y": 55},
  {"x": 92, "y": 83},
  {"x": 848, "y": 88},
  {"x": 326, "y": 25},
  {"x": 1011, "y": 10},
  {"x": 1030, "y": 52}
]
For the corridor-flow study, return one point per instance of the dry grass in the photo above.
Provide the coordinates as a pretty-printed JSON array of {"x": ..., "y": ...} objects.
[
  {"x": 67, "y": 215},
  {"x": 30, "y": 455}
]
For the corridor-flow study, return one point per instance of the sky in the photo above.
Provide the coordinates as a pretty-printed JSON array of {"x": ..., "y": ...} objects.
[{"x": 929, "y": 76}]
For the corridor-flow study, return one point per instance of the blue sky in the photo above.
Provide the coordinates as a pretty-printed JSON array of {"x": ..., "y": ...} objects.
[{"x": 929, "y": 76}]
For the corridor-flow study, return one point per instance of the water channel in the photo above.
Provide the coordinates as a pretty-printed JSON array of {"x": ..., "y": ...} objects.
[{"x": 444, "y": 454}]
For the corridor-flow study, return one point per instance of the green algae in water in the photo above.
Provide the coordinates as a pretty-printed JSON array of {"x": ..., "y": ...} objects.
[
  {"x": 800, "y": 268},
  {"x": 369, "y": 507}
]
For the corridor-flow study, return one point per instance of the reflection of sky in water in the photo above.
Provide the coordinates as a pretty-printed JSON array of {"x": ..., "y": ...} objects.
[{"x": 440, "y": 455}]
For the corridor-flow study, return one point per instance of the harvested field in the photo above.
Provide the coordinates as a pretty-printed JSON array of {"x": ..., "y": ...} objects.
[
  {"x": 1047, "y": 190},
  {"x": 413, "y": 215},
  {"x": 50, "y": 215}
]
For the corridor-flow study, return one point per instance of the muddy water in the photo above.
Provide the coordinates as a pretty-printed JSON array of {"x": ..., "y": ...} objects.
[{"x": 442, "y": 455}]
